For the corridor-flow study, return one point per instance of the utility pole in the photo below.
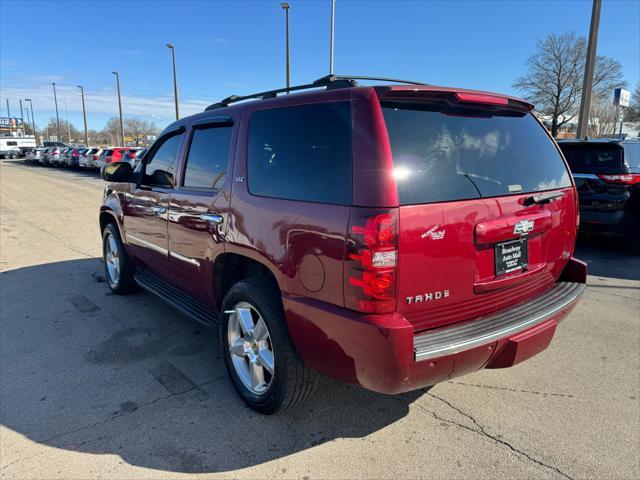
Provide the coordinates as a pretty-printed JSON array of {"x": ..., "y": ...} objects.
[
  {"x": 84, "y": 114},
  {"x": 120, "y": 107},
  {"x": 587, "y": 84},
  {"x": 55, "y": 98},
  {"x": 21, "y": 111},
  {"x": 8, "y": 111},
  {"x": 333, "y": 6},
  {"x": 285, "y": 7},
  {"x": 175, "y": 78}
]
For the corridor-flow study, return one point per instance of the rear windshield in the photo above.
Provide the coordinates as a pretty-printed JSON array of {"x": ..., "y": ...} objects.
[
  {"x": 444, "y": 153},
  {"x": 107, "y": 152},
  {"x": 593, "y": 157}
]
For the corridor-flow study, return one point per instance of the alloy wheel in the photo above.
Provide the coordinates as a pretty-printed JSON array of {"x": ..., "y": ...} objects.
[
  {"x": 112, "y": 259},
  {"x": 251, "y": 348}
]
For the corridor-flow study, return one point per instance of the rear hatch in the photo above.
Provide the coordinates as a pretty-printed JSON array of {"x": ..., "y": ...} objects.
[
  {"x": 605, "y": 174},
  {"x": 487, "y": 213}
]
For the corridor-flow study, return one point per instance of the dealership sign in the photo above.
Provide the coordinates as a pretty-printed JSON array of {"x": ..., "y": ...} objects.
[
  {"x": 10, "y": 122},
  {"x": 621, "y": 97}
]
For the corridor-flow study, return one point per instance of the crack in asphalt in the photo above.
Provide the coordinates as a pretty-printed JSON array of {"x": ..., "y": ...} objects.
[
  {"x": 480, "y": 430},
  {"x": 516, "y": 390},
  {"x": 102, "y": 422}
]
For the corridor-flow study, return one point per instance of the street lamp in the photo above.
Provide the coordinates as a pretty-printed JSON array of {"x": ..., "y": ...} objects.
[
  {"x": 175, "y": 78},
  {"x": 119, "y": 106},
  {"x": 159, "y": 118},
  {"x": 33, "y": 122},
  {"x": 84, "y": 115},
  {"x": 55, "y": 98},
  {"x": 66, "y": 106},
  {"x": 285, "y": 7}
]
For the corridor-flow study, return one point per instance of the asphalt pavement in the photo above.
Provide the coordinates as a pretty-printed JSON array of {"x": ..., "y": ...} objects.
[{"x": 94, "y": 385}]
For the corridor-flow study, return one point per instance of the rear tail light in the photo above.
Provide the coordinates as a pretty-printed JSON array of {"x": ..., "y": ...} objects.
[
  {"x": 371, "y": 262},
  {"x": 622, "y": 179},
  {"x": 95, "y": 157}
]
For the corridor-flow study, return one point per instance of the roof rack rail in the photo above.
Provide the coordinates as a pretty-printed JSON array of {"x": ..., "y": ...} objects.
[{"x": 329, "y": 82}]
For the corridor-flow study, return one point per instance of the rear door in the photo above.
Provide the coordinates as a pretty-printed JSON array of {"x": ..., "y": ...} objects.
[
  {"x": 199, "y": 206},
  {"x": 487, "y": 210}
]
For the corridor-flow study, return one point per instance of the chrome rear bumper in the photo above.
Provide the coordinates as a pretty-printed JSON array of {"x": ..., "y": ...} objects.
[{"x": 461, "y": 337}]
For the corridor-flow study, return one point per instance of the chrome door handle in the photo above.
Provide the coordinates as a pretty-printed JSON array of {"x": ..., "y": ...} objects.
[
  {"x": 212, "y": 218},
  {"x": 157, "y": 211}
]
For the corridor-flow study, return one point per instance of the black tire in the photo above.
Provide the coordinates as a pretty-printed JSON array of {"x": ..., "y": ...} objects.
[
  {"x": 124, "y": 283},
  {"x": 292, "y": 381}
]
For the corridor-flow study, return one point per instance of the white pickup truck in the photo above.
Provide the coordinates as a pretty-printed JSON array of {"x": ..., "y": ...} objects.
[{"x": 12, "y": 147}]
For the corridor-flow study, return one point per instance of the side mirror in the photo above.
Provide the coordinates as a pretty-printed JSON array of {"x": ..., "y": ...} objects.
[{"x": 117, "y": 172}]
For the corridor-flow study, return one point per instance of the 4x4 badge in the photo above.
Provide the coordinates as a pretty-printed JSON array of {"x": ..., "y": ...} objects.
[{"x": 523, "y": 227}]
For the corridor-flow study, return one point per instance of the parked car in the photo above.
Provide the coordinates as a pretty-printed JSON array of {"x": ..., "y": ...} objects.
[
  {"x": 73, "y": 156},
  {"x": 116, "y": 154},
  {"x": 55, "y": 155},
  {"x": 607, "y": 176},
  {"x": 44, "y": 156},
  {"x": 139, "y": 154},
  {"x": 64, "y": 156},
  {"x": 392, "y": 237},
  {"x": 34, "y": 154},
  {"x": 86, "y": 157},
  {"x": 53, "y": 144}
]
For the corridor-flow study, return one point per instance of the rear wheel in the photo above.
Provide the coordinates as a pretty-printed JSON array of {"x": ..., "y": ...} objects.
[
  {"x": 260, "y": 357},
  {"x": 118, "y": 268}
]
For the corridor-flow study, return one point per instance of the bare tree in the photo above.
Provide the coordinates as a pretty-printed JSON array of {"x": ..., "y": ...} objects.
[
  {"x": 602, "y": 116},
  {"x": 553, "y": 80},
  {"x": 138, "y": 129},
  {"x": 52, "y": 127},
  {"x": 111, "y": 132}
]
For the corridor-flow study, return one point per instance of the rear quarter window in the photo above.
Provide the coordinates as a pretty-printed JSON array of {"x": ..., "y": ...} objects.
[
  {"x": 301, "y": 153},
  {"x": 444, "y": 153}
]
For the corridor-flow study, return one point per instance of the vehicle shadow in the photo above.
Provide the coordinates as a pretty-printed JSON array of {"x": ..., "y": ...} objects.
[
  {"x": 87, "y": 371},
  {"x": 605, "y": 257}
]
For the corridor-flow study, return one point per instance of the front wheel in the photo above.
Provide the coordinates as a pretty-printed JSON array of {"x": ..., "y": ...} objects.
[
  {"x": 118, "y": 268},
  {"x": 260, "y": 357}
]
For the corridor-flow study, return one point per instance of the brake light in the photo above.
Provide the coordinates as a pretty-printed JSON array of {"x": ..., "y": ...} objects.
[
  {"x": 481, "y": 98},
  {"x": 371, "y": 263},
  {"x": 95, "y": 157},
  {"x": 622, "y": 179}
]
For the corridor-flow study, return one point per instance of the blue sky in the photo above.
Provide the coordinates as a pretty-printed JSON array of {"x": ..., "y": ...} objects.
[{"x": 227, "y": 47}]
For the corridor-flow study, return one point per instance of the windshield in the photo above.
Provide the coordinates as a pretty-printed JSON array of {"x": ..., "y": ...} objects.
[{"x": 444, "y": 153}]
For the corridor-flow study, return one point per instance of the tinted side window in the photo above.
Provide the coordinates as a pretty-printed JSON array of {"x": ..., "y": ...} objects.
[
  {"x": 301, "y": 153},
  {"x": 208, "y": 158},
  {"x": 444, "y": 153},
  {"x": 632, "y": 156},
  {"x": 161, "y": 166}
]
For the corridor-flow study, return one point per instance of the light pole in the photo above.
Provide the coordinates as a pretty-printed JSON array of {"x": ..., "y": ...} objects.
[
  {"x": 55, "y": 98},
  {"x": 333, "y": 7},
  {"x": 587, "y": 84},
  {"x": 120, "y": 107},
  {"x": 84, "y": 115},
  {"x": 66, "y": 106},
  {"x": 175, "y": 78},
  {"x": 33, "y": 122},
  {"x": 159, "y": 118},
  {"x": 285, "y": 7}
]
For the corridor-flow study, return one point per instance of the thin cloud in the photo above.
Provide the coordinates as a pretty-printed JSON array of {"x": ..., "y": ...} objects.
[
  {"x": 45, "y": 78},
  {"x": 132, "y": 52},
  {"x": 104, "y": 101}
]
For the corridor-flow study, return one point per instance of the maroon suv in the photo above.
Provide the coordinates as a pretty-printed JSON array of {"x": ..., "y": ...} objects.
[{"x": 392, "y": 237}]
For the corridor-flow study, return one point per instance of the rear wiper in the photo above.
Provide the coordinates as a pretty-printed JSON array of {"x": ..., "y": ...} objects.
[{"x": 542, "y": 198}]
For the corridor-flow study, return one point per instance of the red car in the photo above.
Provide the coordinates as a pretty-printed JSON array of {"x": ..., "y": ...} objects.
[
  {"x": 117, "y": 154},
  {"x": 391, "y": 237}
]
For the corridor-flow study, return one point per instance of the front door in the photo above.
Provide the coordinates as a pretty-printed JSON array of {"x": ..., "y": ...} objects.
[
  {"x": 146, "y": 206},
  {"x": 198, "y": 209}
]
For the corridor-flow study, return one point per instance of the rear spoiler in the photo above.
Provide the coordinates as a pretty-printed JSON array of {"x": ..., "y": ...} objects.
[{"x": 454, "y": 97}]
